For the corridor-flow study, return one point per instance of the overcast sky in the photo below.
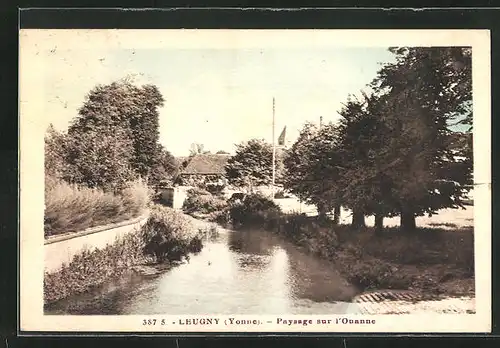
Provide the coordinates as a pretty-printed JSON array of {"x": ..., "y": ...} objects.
[{"x": 217, "y": 97}]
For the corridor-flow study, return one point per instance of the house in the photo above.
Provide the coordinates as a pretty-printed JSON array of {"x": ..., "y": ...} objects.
[{"x": 203, "y": 169}]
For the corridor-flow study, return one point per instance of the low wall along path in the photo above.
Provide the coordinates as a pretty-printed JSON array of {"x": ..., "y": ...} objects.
[{"x": 62, "y": 248}]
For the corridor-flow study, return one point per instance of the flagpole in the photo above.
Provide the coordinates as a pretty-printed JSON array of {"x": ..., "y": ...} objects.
[{"x": 274, "y": 153}]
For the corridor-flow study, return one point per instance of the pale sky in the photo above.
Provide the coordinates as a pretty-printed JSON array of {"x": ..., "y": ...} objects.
[{"x": 218, "y": 97}]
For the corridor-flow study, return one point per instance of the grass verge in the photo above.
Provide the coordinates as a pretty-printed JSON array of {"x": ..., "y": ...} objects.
[
  {"x": 71, "y": 208},
  {"x": 429, "y": 261}
]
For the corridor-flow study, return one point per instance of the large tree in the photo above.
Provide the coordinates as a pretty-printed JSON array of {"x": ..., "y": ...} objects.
[
  {"x": 393, "y": 151},
  {"x": 366, "y": 187},
  {"x": 425, "y": 90},
  {"x": 251, "y": 165},
  {"x": 312, "y": 167},
  {"x": 128, "y": 114}
]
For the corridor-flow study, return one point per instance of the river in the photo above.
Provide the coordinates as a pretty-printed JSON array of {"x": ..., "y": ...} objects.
[{"x": 237, "y": 272}]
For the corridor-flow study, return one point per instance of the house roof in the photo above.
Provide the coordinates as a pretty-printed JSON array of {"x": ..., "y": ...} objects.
[{"x": 206, "y": 164}]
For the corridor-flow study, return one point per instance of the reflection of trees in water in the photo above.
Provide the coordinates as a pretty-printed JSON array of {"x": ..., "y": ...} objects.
[
  {"x": 252, "y": 262},
  {"x": 107, "y": 299},
  {"x": 252, "y": 242},
  {"x": 253, "y": 248},
  {"x": 315, "y": 279}
]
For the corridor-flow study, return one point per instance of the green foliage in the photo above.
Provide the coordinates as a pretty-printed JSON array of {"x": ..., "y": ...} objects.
[
  {"x": 170, "y": 235},
  {"x": 423, "y": 91},
  {"x": 251, "y": 166},
  {"x": 165, "y": 170},
  {"x": 71, "y": 208},
  {"x": 392, "y": 151},
  {"x": 202, "y": 202},
  {"x": 100, "y": 159},
  {"x": 116, "y": 137},
  {"x": 364, "y": 182},
  {"x": 255, "y": 210},
  {"x": 55, "y": 153},
  {"x": 313, "y": 165}
]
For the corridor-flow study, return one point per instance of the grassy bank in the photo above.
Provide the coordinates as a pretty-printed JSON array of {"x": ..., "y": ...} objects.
[
  {"x": 430, "y": 261},
  {"x": 166, "y": 237},
  {"x": 70, "y": 208}
]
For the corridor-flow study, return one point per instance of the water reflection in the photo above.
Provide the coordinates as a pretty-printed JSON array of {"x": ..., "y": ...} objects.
[
  {"x": 317, "y": 280},
  {"x": 252, "y": 242},
  {"x": 242, "y": 272}
]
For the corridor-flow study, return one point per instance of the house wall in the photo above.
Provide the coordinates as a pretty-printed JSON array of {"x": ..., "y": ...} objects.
[
  {"x": 175, "y": 196},
  {"x": 180, "y": 195}
]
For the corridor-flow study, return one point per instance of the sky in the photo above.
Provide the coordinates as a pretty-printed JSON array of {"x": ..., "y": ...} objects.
[{"x": 217, "y": 96}]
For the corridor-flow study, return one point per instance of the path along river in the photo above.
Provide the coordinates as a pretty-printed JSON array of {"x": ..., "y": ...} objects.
[{"x": 238, "y": 272}]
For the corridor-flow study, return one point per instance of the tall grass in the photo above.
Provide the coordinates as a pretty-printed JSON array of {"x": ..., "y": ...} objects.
[{"x": 70, "y": 208}]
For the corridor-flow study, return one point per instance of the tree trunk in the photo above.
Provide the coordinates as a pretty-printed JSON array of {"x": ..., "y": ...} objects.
[
  {"x": 379, "y": 223},
  {"x": 358, "y": 219},
  {"x": 408, "y": 219},
  {"x": 321, "y": 211},
  {"x": 336, "y": 214}
]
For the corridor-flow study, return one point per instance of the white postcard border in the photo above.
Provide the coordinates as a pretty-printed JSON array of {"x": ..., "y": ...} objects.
[{"x": 32, "y": 128}]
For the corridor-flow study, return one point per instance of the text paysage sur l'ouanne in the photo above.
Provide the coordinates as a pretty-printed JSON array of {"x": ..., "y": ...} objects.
[{"x": 237, "y": 321}]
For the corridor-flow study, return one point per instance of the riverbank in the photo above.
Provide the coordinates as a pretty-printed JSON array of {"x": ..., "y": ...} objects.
[
  {"x": 435, "y": 260},
  {"x": 92, "y": 268},
  {"x": 431, "y": 262}
]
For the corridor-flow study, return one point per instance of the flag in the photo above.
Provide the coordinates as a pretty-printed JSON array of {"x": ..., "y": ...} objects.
[{"x": 281, "y": 139}]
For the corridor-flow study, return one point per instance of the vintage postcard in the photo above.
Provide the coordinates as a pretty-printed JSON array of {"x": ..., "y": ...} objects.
[{"x": 227, "y": 181}]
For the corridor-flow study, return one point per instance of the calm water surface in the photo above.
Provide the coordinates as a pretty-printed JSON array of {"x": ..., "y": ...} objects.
[{"x": 239, "y": 272}]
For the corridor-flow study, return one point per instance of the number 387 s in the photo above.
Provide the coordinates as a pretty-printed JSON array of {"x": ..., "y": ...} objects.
[{"x": 152, "y": 322}]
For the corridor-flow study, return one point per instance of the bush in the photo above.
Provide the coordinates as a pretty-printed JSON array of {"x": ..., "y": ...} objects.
[
  {"x": 70, "y": 208},
  {"x": 281, "y": 194},
  {"x": 215, "y": 189},
  {"x": 169, "y": 235},
  {"x": 256, "y": 209},
  {"x": 202, "y": 202}
]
